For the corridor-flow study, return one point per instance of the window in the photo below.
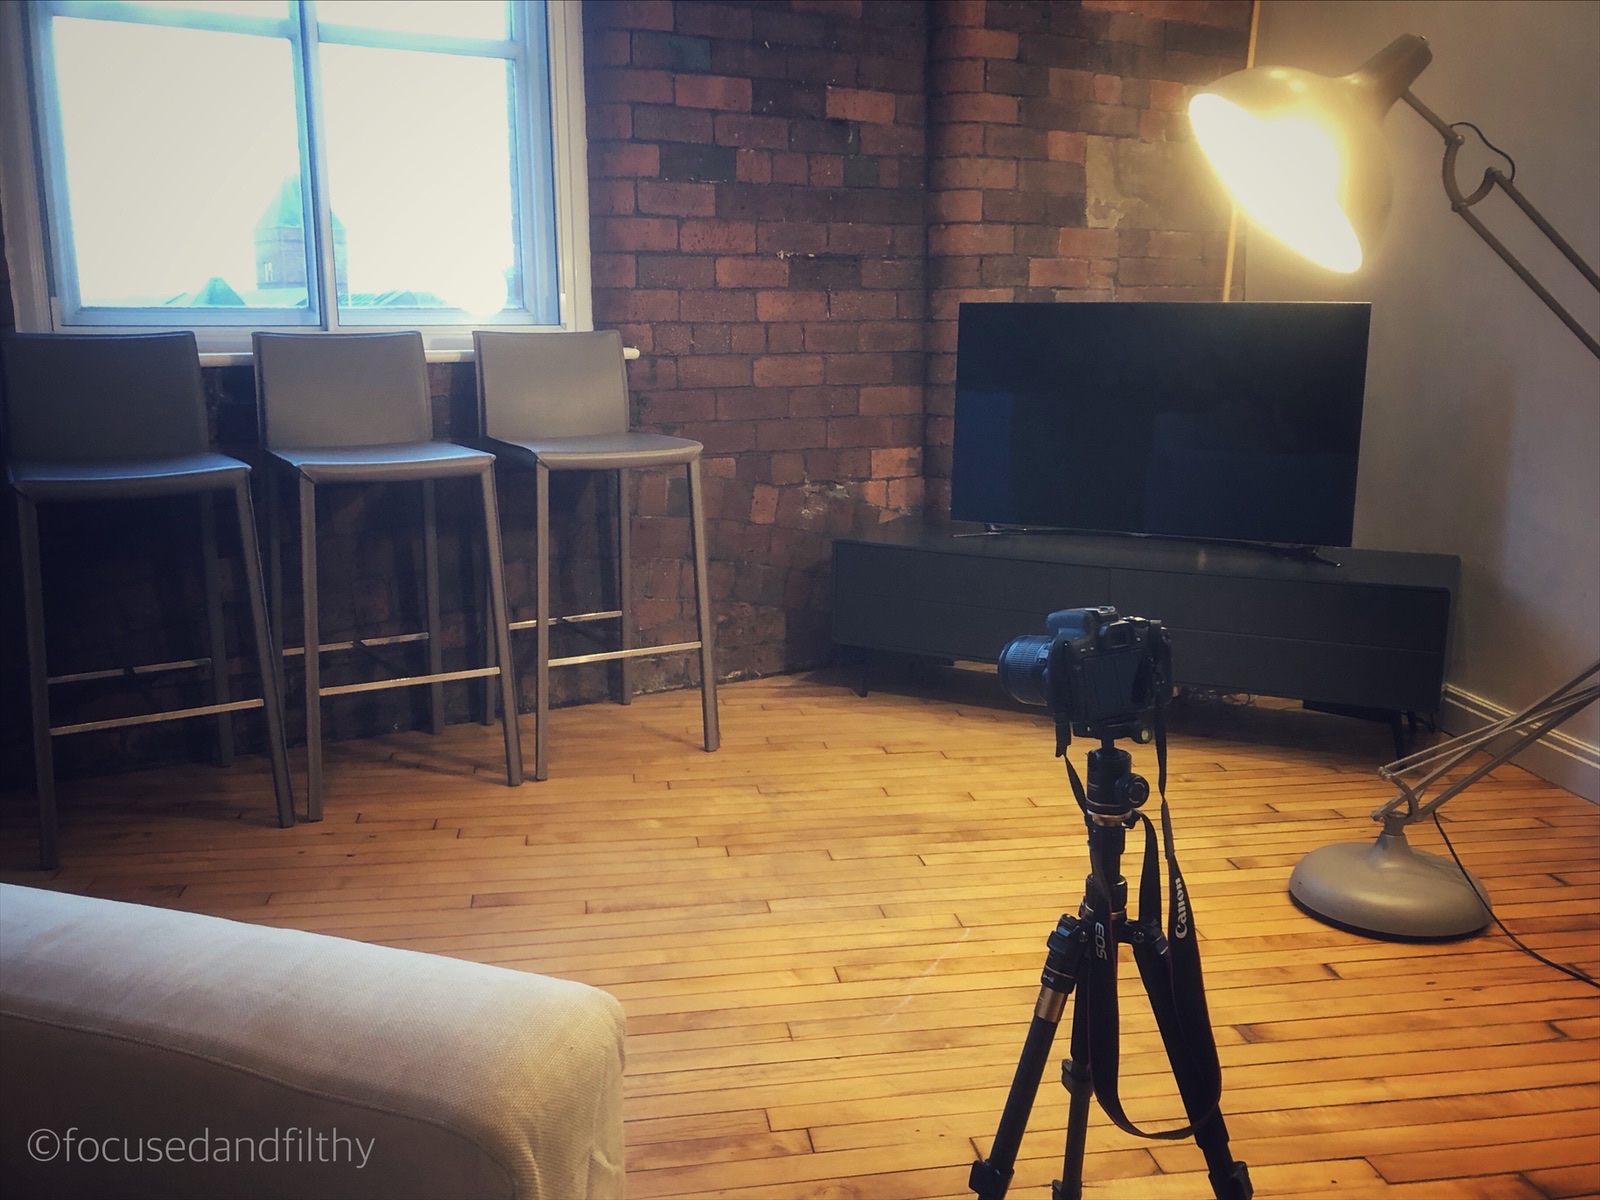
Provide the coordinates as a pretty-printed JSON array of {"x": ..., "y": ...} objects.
[{"x": 231, "y": 165}]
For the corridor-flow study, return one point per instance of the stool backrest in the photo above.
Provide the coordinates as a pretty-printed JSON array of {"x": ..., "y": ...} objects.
[
  {"x": 342, "y": 389},
  {"x": 539, "y": 385},
  {"x": 102, "y": 398}
]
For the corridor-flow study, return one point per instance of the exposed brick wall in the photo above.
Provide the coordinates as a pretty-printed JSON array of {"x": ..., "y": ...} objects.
[
  {"x": 789, "y": 201},
  {"x": 757, "y": 181}
]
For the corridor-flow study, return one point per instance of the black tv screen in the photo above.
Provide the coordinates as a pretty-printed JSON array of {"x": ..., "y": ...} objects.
[{"x": 1239, "y": 422}]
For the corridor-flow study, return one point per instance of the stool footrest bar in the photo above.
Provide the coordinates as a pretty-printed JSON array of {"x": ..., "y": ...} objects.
[
  {"x": 209, "y": 710},
  {"x": 613, "y": 655},
  {"x": 345, "y": 689}
]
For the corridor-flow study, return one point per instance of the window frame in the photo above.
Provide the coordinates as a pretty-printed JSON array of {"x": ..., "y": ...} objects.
[{"x": 27, "y": 223}]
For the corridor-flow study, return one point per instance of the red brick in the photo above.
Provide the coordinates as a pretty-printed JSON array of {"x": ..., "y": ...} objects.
[
  {"x": 753, "y": 166},
  {"x": 824, "y": 170},
  {"x": 610, "y": 197},
  {"x": 714, "y": 370},
  {"x": 1107, "y": 89},
  {"x": 723, "y": 92},
  {"x": 789, "y": 167},
  {"x": 758, "y": 403},
  {"x": 851, "y": 238},
  {"x": 1057, "y": 272},
  {"x": 747, "y": 338},
  {"x": 953, "y": 13},
  {"x": 974, "y": 43},
  {"x": 956, "y": 206},
  {"x": 970, "y": 239},
  {"x": 752, "y": 272},
  {"x": 981, "y": 108},
  {"x": 788, "y": 370},
  {"x": 637, "y": 14},
  {"x": 751, "y": 132},
  {"x": 859, "y": 368},
  {"x": 863, "y": 306},
  {"x": 677, "y": 199},
  {"x": 635, "y": 233},
  {"x": 613, "y": 270},
  {"x": 832, "y": 337},
  {"x": 790, "y": 434},
  {"x": 764, "y": 504},
  {"x": 854, "y": 104},
  {"x": 609, "y": 85},
  {"x": 881, "y": 401},
  {"x": 609, "y": 122},
  {"x": 791, "y": 306},
  {"x": 718, "y": 237},
  {"x": 952, "y": 75},
  {"x": 1168, "y": 96},
  {"x": 717, "y": 305},
  {"x": 1087, "y": 243},
  {"x": 621, "y": 159},
  {"x": 1063, "y": 145},
  {"x": 980, "y": 173}
]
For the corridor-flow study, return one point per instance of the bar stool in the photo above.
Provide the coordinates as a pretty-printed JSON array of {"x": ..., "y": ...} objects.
[
  {"x": 354, "y": 408},
  {"x": 559, "y": 402},
  {"x": 119, "y": 418}
]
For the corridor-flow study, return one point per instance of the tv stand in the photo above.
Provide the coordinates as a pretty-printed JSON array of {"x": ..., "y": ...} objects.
[{"x": 1371, "y": 632}]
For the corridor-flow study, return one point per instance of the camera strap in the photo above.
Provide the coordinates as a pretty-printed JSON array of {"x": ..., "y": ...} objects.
[{"x": 1169, "y": 967}]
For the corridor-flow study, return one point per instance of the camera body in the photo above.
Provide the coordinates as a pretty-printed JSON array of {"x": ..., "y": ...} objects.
[{"x": 1100, "y": 675}]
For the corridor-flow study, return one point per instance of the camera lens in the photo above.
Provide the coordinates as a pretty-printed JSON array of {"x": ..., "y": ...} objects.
[{"x": 1022, "y": 666}]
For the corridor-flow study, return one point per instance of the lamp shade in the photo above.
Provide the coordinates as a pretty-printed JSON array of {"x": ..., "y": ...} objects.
[{"x": 1303, "y": 153}]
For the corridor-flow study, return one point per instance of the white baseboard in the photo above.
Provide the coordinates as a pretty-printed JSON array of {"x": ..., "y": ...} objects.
[{"x": 1558, "y": 756}]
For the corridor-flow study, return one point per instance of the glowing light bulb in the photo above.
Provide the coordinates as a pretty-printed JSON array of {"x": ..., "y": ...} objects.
[{"x": 1285, "y": 172}]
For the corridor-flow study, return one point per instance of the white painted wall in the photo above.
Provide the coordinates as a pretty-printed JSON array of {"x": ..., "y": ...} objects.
[{"x": 1482, "y": 427}]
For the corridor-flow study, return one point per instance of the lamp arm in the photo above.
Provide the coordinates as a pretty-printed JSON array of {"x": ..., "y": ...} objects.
[
  {"x": 1531, "y": 724},
  {"x": 1461, "y": 203}
]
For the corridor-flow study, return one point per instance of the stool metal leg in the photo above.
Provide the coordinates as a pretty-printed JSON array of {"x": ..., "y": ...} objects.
[
  {"x": 625, "y": 577},
  {"x": 218, "y": 648},
  {"x": 702, "y": 600},
  {"x": 274, "y": 556},
  {"x": 541, "y": 684},
  {"x": 44, "y": 769},
  {"x": 268, "y": 660},
  {"x": 430, "y": 569},
  {"x": 313, "y": 644},
  {"x": 500, "y": 619}
]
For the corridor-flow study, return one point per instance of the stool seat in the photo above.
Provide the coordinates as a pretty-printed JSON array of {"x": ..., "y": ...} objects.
[
  {"x": 122, "y": 479},
  {"x": 599, "y": 451},
  {"x": 390, "y": 463}
]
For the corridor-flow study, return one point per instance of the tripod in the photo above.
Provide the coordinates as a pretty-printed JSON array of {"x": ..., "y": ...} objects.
[{"x": 1082, "y": 952}]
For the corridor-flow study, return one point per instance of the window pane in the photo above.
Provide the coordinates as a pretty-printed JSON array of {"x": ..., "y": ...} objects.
[
  {"x": 453, "y": 18},
  {"x": 420, "y": 175},
  {"x": 182, "y": 163},
  {"x": 275, "y": 9}
]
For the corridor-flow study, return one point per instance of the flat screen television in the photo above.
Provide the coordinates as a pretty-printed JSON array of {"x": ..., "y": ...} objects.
[{"x": 1233, "y": 422}]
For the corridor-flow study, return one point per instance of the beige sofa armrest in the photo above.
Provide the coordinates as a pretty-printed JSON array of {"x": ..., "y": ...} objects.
[{"x": 290, "y": 1064}]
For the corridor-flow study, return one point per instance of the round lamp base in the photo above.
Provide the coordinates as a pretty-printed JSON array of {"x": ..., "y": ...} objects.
[{"x": 1390, "y": 890}]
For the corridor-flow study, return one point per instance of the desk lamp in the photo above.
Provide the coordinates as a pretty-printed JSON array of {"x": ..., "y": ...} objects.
[{"x": 1303, "y": 155}]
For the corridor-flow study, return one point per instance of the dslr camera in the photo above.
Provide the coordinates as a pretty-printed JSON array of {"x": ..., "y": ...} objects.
[{"x": 1100, "y": 675}]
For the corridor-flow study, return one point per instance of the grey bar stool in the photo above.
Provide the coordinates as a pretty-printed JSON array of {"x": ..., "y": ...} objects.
[
  {"x": 559, "y": 402},
  {"x": 353, "y": 408},
  {"x": 119, "y": 418}
]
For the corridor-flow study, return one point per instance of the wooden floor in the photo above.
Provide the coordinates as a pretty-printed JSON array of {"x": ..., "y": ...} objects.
[{"x": 828, "y": 935}]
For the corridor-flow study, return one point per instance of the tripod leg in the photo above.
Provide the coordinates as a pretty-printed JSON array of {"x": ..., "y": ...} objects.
[
  {"x": 991, "y": 1176},
  {"x": 1079, "y": 1082}
]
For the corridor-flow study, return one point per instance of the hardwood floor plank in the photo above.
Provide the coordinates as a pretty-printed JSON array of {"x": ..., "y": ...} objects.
[{"x": 828, "y": 935}]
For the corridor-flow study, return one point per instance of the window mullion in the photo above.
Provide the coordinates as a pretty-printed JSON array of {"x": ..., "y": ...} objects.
[{"x": 314, "y": 184}]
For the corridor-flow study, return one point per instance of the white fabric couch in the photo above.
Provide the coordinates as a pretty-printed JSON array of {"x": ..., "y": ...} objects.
[{"x": 238, "y": 1060}]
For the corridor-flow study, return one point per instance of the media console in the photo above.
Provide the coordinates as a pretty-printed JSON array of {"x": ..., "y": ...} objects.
[{"x": 1371, "y": 633}]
